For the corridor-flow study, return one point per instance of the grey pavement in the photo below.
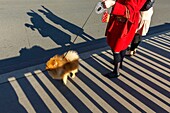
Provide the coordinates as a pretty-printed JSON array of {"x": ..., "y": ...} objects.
[{"x": 30, "y": 34}]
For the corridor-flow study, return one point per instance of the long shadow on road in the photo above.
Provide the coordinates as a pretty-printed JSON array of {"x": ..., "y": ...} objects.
[{"x": 36, "y": 54}]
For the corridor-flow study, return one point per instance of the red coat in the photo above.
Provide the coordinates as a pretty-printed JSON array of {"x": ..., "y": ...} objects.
[{"x": 120, "y": 34}]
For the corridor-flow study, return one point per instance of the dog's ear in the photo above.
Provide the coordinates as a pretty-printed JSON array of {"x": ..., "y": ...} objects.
[
  {"x": 51, "y": 64},
  {"x": 47, "y": 67}
]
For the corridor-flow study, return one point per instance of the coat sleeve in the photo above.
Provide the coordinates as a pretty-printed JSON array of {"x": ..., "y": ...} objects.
[{"x": 130, "y": 6}]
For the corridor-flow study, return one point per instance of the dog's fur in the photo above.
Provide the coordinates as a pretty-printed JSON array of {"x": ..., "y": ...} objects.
[{"x": 62, "y": 66}]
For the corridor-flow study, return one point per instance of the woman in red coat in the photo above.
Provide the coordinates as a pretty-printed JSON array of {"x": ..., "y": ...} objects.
[{"x": 123, "y": 22}]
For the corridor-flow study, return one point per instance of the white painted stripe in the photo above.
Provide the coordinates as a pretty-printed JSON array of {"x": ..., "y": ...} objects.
[
  {"x": 141, "y": 91},
  {"x": 154, "y": 63},
  {"x": 146, "y": 86},
  {"x": 165, "y": 48},
  {"x": 122, "y": 91},
  {"x": 164, "y": 36},
  {"x": 143, "y": 60},
  {"x": 155, "y": 100},
  {"x": 96, "y": 98},
  {"x": 161, "y": 40},
  {"x": 23, "y": 100},
  {"x": 159, "y": 44},
  {"x": 41, "y": 92},
  {"x": 83, "y": 98},
  {"x": 56, "y": 93},
  {"x": 155, "y": 55},
  {"x": 105, "y": 88},
  {"x": 149, "y": 73},
  {"x": 151, "y": 64}
]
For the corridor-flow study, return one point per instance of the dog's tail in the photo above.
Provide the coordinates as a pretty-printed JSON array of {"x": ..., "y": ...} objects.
[{"x": 71, "y": 55}]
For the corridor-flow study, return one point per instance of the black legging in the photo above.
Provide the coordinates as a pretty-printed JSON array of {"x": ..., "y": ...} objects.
[
  {"x": 118, "y": 57},
  {"x": 135, "y": 42}
]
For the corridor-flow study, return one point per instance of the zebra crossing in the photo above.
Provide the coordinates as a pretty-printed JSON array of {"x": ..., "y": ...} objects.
[{"x": 144, "y": 84}]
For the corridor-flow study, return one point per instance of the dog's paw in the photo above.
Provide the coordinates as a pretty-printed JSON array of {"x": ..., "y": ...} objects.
[{"x": 72, "y": 75}]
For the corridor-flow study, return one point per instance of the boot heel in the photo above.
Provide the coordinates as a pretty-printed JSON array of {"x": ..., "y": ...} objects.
[{"x": 115, "y": 73}]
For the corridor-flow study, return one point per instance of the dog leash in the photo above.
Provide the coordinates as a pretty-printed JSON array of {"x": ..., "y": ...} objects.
[{"x": 82, "y": 28}]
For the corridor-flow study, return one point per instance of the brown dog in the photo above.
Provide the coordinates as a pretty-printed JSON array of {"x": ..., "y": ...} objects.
[{"x": 62, "y": 66}]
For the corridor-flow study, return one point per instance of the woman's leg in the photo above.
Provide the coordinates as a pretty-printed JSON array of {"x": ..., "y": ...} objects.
[
  {"x": 117, "y": 61},
  {"x": 134, "y": 44},
  {"x": 122, "y": 54}
]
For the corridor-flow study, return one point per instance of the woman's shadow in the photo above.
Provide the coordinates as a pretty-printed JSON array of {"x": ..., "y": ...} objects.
[
  {"x": 74, "y": 29},
  {"x": 47, "y": 30}
]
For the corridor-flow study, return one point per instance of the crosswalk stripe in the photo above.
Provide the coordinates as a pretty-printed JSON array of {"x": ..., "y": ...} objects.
[
  {"x": 153, "y": 67},
  {"x": 155, "y": 55},
  {"x": 144, "y": 86},
  {"x": 63, "y": 101},
  {"x": 104, "y": 87},
  {"x": 165, "y": 36},
  {"x": 83, "y": 98},
  {"x": 41, "y": 92},
  {"x": 155, "y": 44},
  {"x": 150, "y": 74},
  {"x": 141, "y": 91},
  {"x": 159, "y": 44},
  {"x": 151, "y": 64},
  {"x": 156, "y": 101},
  {"x": 125, "y": 93},
  {"x": 98, "y": 99},
  {"x": 161, "y": 40},
  {"x": 154, "y": 63},
  {"x": 23, "y": 100},
  {"x": 147, "y": 87}
]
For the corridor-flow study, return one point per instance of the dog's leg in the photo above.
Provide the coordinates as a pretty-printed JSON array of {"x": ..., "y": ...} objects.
[
  {"x": 74, "y": 73},
  {"x": 65, "y": 77}
]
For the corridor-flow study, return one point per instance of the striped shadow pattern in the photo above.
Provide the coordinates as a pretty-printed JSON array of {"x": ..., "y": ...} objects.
[{"x": 144, "y": 84}]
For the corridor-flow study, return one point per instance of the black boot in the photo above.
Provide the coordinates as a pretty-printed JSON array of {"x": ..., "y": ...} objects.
[{"x": 115, "y": 73}]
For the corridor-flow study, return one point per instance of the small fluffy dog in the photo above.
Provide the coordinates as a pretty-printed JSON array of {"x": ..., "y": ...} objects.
[{"x": 62, "y": 66}]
